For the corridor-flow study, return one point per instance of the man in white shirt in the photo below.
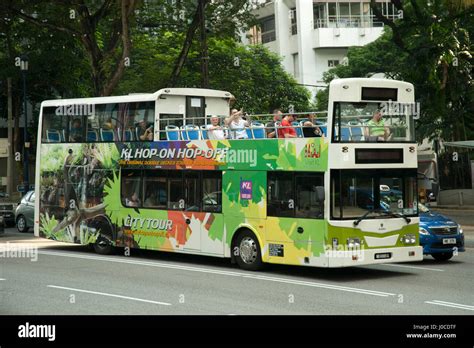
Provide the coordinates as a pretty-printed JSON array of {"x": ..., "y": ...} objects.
[
  {"x": 237, "y": 125},
  {"x": 214, "y": 130}
]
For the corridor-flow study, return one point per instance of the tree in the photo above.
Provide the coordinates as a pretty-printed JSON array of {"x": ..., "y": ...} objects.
[
  {"x": 100, "y": 28},
  {"x": 253, "y": 74},
  {"x": 430, "y": 47}
]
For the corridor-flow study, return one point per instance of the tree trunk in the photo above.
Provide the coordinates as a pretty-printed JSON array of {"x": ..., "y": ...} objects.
[{"x": 187, "y": 43}]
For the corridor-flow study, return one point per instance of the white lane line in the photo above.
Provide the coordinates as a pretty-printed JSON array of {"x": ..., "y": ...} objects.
[
  {"x": 321, "y": 285},
  {"x": 2, "y": 279},
  {"x": 414, "y": 267},
  {"x": 109, "y": 295},
  {"x": 227, "y": 273},
  {"x": 451, "y": 304}
]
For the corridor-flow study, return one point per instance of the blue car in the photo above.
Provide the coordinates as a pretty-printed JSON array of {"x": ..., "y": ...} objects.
[{"x": 439, "y": 235}]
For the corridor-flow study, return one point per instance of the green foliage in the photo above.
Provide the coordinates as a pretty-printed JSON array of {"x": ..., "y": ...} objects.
[
  {"x": 253, "y": 74},
  {"x": 431, "y": 48}
]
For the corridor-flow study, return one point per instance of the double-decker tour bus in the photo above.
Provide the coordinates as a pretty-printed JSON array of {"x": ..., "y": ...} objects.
[{"x": 161, "y": 171}]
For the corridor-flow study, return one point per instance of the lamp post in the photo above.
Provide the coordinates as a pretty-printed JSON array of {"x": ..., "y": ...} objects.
[{"x": 24, "y": 70}]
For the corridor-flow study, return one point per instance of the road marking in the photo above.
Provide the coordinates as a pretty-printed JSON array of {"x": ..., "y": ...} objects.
[
  {"x": 227, "y": 273},
  {"x": 320, "y": 285},
  {"x": 2, "y": 279},
  {"x": 414, "y": 267},
  {"x": 451, "y": 304},
  {"x": 109, "y": 295}
]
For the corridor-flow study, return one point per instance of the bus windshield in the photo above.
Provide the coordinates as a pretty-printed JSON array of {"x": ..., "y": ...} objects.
[
  {"x": 374, "y": 122},
  {"x": 356, "y": 192}
]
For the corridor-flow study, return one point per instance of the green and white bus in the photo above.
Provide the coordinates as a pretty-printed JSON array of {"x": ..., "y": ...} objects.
[{"x": 139, "y": 171}]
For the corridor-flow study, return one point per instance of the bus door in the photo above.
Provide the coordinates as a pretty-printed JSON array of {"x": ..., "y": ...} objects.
[{"x": 295, "y": 215}]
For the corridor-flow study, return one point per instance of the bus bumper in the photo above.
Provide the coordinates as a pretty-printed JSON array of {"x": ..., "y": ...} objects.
[{"x": 373, "y": 256}]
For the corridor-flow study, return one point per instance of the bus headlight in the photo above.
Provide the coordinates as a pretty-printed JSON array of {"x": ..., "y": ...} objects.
[
  {"x": 460, "y": 229},
  {"x": 424, "y": 232},
  {"x": 409, "y": 239},
  {"x": 353, "y": 243}
]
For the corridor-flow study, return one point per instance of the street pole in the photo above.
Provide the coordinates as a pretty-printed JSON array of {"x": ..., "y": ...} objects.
[
  {"x": 26, "y": 183},
  {"x": 10, "y": 139}
]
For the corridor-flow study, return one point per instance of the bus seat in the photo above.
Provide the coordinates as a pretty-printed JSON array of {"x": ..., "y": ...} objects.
[
  {"x": 172, "y": 132},
  {"x": 324, "y": 129},
  {"x": 356, "y": 133},
  {"x": 184, "y": 134},
  {"x": 258, "y": 130},
  {"x": 92, "y": 135},
  {"x": 53, "y": 136},
  {"x": 204, "y": 132},
  {"x": 128, "y": 135},
  {"x": 249, "y": 133},
  {"x": 345, "y": 134},
  {"x": 299, "y": 131},
  {"x": 107, "y": 135},
  {"x": 277, "y": 125},
  {"x": 193, "y": 132}
]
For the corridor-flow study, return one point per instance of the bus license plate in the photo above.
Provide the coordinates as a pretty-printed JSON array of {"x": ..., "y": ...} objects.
[{"x": 449, "y": 240}]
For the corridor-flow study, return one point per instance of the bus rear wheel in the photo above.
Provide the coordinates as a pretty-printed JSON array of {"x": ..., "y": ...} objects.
[
  {"x": 103, "y": 246},
  {"x": 247, "y": 251}
]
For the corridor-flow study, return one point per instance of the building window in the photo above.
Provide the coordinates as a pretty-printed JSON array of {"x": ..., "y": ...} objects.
[
  {"x": 333, "y": 62},
  {"x": 296, "y": 65},
  {"x": 267, "y": 26},
  {"x": 293, "y": 24}
]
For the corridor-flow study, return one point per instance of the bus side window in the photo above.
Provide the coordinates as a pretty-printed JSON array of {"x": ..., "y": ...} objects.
[
  {"x": 280, "y": 196},
  {"x": 131, "y": 188},
  {"x": 212, "y": 191},
  {"x": 309, "y": 203}
]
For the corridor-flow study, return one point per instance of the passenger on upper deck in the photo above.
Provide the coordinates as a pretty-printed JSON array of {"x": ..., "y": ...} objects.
[
  {"x": 270, "y": 126},
  {"x": 237, "y": 125},
  {"x": 287, "y": 130},
  {"x": 144, "y": 132},
  {"x": 214, "y": 130},
  {"x": 310, "y": 130},
  {"x": 75, "y": 133},
  {"x": 376, "y": 129}
]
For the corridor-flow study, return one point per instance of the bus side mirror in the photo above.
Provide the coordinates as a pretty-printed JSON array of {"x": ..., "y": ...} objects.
[{"x": 320, "y": 194}]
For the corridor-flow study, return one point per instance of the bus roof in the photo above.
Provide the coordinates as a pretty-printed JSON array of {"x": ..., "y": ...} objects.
[
  {"x": 369, "y": 82},
  {"x": 142, "y": 97}
]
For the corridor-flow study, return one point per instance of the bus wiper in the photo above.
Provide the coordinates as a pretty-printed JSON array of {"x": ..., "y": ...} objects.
[
  {"x": 365, "y": 215},
  {"x": 399, "y": 215}
]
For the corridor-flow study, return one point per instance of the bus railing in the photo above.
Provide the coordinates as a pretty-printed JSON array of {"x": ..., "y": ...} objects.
[{"x": 217, "y": 127}]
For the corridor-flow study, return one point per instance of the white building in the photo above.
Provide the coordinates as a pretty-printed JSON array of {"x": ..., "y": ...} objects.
[{"x": 313, "y": 35}]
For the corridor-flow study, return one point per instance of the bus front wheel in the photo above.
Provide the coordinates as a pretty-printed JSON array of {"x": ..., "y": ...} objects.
[{"x": 247, "y": 251}]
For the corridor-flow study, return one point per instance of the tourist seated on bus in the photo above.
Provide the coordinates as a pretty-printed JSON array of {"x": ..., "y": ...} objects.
[
  {"x": 237, "y": 124},
  {"x": 75, "y": 133},
  {"x": 376, "y": 129},
  {"x": 270, "y": 126},
  {"x": 214, "y": 130},
  {"x": 145, "y": 133},
  {"x": 287, "y": 130},
  {"x": 310, "y": 130},
  {"x": 134, "y": 201}
]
